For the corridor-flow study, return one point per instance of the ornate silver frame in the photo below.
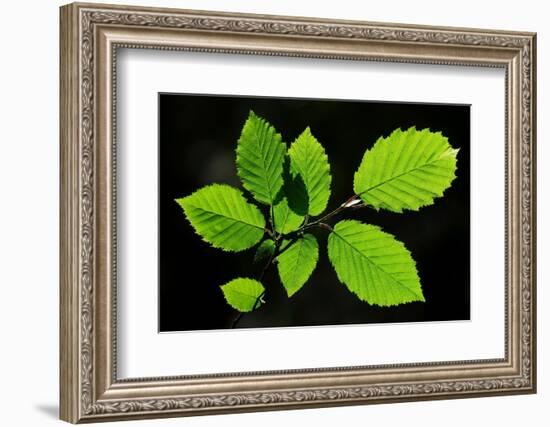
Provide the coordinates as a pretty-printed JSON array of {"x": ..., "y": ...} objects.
[{"x": 90, "y": 36}]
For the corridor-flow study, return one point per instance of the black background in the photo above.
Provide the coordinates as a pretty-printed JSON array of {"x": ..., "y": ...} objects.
[{"x": 197, "y": 141}]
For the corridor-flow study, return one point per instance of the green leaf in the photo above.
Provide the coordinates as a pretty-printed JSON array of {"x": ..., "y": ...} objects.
[
  {"x": 221, "y": 215},
  {"x": 260, "y": 155},
  {"x": 264, "y": 251},
  {"x": 285, "y": 219},
  {"x": 373, "y": 264},
  {"x": 294, "y": 190},
  {"x": 406, "y": 170},
  {"x": 297, "y": 262},
  {"x": 243, "y": 294},
  {"x": 309, "y": 160}
]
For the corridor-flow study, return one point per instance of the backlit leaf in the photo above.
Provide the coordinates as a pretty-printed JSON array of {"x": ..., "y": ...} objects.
[
  {"x": 373, "y": 264},
  {"x": 294, "y": 190},
  {"x": 243, "y": 294},
  {"x": 297, "y": 262},
  {"x": 221, "y": 215},
  {"x": 406, "y": 170},
  {"x": 309, "y": 160},
  {"x": 260, "y": 155},
  {"x": 285, "y": 219}
]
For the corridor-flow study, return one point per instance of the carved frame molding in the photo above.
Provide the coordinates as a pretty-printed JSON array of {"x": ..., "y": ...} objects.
[{"x": 90, "y": 37}]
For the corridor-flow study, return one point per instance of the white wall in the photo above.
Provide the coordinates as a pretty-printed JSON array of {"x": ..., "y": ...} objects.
[{"x": 29, "y": 212}]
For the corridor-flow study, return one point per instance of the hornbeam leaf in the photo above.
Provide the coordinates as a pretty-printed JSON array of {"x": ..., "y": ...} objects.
[
  {"x": 221, "y": 215},
  {"x": 373, "y": 264},
  {"x": 309, "y": 160},
  {"x": 284, "y": 218},
  {"x": 264, "y": 251},
  {"x": 297, "y": 262},
  {"x": 260, "y": 155},
  {"x": 294, "y": 190},
  {"x": 243, "y": 294},
  {"x": 406, "y": 170}
]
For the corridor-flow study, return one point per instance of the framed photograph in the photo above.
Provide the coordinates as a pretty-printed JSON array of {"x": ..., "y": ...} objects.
[{"x": 266, "y": 212}]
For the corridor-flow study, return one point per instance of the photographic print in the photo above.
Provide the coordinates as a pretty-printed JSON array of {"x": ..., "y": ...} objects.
[
  {"x": 344, "y": 211},
  {"x": 278, "y": 212}
]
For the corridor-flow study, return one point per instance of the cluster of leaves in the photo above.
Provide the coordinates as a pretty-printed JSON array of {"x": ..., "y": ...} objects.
[{"x": 406, "y": 170}]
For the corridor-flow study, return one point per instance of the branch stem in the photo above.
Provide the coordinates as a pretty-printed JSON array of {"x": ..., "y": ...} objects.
[
  {"x": 354, "y": 202},
  {"x": 260, "y": 278}
]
